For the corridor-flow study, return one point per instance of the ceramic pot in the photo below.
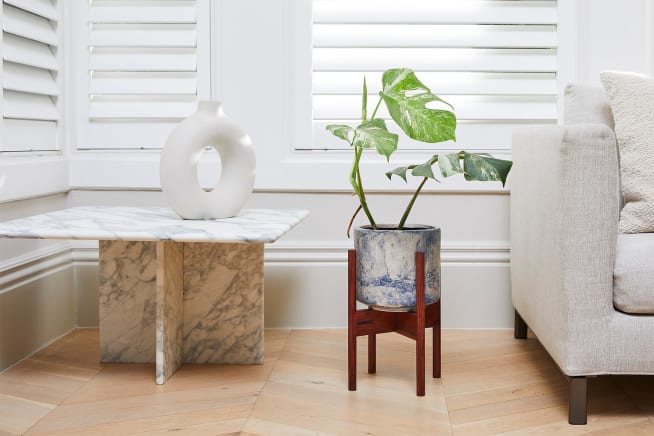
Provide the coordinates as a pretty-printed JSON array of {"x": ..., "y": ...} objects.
[
  {"x": 209, "y": 126},
  {"x": 386, "y": 269}
]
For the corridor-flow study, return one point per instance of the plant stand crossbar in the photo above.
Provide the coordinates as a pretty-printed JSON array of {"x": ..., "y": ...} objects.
[{"x": 369, "y": 322}]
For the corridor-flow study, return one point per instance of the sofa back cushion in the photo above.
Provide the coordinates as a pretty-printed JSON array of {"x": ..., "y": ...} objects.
[
  {"x": 632, "y": 103},
  {"x": 585, "y": 104}
]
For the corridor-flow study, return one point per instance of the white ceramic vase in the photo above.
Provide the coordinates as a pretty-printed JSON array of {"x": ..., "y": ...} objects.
[{"x": 209, "y": 126}]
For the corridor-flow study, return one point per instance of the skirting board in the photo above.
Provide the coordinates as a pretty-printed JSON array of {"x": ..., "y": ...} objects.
[
  {"x": 306, "y": 281},
  {"x": 306, "y": 285}
]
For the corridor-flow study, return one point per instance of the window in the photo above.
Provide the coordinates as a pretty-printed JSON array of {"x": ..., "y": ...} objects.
[
  {"x": 145, "y": 65},
  {"x": 494, "y": 61},
  {"x": 32, "y": 80}
]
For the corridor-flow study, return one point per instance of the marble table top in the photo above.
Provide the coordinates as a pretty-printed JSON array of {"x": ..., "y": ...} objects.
[{"x": 152, "y": 224}]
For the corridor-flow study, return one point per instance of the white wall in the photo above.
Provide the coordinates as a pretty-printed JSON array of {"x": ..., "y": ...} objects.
[
  {"x": 37, "y": 298},
  {"x": 614, "y": 35}
]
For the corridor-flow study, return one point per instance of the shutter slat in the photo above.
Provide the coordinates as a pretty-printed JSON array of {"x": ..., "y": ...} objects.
[
  {"x": 27, "y": 25},
  {"x": 28, "y": 135},
  {"x": 466, "y": 107},
  {"x": 23, "y": 78},
  {"x": 142, "y": 109},
  {"x": 44, "y": 8},
  {"x": 144, "y": 61},
  {"x": 24, "y": 106},
  {"x": 121, "y": 37},
  {"x": 435, "y": 59},
  {"x": 28, "y": 52},
  {"x": 412, "y": 35},
  {"x": 435, "y": 12},
  {"x": 483, "y": 136},
  {"x": 143, "y": 83},
  {"x": 122, "y": 13},
  {"x": 442, "y": 83}
]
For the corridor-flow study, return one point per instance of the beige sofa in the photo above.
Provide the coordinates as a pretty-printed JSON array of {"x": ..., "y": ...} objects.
[{"x": 585, "y": 291}]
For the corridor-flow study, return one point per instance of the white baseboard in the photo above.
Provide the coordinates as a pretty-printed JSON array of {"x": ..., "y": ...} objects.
[
  {"x": 327, "y": 252},
  {"x": 21, "y": 270},
  {"x": 306, "y": 283}
]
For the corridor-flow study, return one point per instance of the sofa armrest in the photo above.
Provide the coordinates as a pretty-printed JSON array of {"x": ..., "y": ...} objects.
[{"x": 564, "y": 215}]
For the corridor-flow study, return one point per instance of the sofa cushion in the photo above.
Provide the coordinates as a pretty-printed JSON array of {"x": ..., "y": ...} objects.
[
  {"x": 585, "y": 104},
  {"x": 632, "y": 103},
  {"x": 633, "y": 275}
]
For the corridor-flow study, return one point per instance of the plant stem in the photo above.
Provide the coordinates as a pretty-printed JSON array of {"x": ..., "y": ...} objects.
[
  {"x": 355, "y": 181},
  {"x": 407, "y": 211},
  {"x": 376, "y": 107},
  {"x": 349, "y": 226}
]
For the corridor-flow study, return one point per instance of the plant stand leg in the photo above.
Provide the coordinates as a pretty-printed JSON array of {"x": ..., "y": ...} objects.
[
  {"x": 372, "y": 353},
  {"x": 436, "y": 341},
  {"x": 351, "y": 323},
  {"x": 420, "y": 324},
  {"x": 519, "y": 327},
  {"x": 578, "y": 401}
]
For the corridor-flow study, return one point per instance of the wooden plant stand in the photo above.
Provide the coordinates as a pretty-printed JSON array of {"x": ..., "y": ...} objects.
[{"x": 410, "y": 324}]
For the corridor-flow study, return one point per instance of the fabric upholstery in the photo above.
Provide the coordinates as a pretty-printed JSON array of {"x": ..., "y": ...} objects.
[
  {"x": 632, "y": 103},
  {"x": 564, "y": 213},
  {"x": 585, "y": 104},
  {"x": 564, "y": 231},
  {"x": 633, "y": 275}
]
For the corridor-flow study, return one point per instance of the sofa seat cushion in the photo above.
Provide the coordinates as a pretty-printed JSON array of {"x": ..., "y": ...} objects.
[{"x": 633, "y": 275}]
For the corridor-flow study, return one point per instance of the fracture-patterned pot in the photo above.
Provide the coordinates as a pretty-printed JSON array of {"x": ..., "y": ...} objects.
[{"x": 386, "y": 268}]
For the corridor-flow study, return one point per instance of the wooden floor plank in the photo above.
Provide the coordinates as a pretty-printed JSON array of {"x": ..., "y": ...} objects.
[
  {"x": 492, "y": 384},
  {"x": 17, "y": 414}
]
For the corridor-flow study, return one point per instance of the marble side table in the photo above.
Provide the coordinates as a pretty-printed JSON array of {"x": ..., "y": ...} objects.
[{"x": 172, "y": 290}]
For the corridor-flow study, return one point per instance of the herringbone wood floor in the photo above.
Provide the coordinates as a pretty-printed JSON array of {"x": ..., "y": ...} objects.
[{"x": 491, "y": 384}]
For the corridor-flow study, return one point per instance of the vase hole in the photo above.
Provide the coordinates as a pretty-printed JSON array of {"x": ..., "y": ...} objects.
[{"x": 209, "y": 169}]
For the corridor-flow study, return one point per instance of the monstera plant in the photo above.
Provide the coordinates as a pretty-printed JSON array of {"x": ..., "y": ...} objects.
[{"x": 406, "y": 99}]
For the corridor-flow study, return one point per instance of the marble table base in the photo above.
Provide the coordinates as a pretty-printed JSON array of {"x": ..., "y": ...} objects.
[{"x": 175, "y": 302}]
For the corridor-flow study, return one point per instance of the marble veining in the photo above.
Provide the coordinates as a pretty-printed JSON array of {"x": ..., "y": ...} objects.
[
  {"x": 170, "y": 309},
  {"x": 223, "y": 303},
  {"x": 172, "y": 290},
  {"x": 128, "y": 273},
  {"x": 152, "y": 224}
]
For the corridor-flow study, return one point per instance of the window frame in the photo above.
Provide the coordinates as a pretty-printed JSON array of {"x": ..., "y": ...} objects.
[{"x": 257, "y": 98}]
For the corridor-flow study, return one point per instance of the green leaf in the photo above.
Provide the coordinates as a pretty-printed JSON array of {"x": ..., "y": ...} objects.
[
  {"x": 406, "y": 99},
  {"x": 449, "y": 164},
  {"x": 374, "y": 133},
  {"x": 424, "y": 170},
  {"x": 340, "y": 130},
  {"x": 482, "y": 168},
  {"x": 399, "y": 171}
]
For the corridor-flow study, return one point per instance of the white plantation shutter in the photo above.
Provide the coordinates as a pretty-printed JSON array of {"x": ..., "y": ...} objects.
[
  {"x": 31, "y": 75},
  {"x": 494, "y": 61},
  {"x": 146, "y": 66}
]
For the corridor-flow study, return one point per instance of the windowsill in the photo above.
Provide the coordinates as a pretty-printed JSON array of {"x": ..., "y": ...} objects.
[{"x": 33, "y": 175}]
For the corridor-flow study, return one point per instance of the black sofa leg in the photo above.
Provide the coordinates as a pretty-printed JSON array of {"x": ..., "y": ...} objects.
[
  {"x": 578, "y": 401},
  {"x": 519, "y": 327}
]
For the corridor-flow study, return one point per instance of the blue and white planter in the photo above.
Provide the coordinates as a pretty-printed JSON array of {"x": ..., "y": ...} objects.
[{"x": 386, "y": 269}]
